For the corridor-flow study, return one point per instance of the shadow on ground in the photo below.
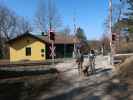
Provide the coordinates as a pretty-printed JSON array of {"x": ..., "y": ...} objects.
[
  {"x": 25, "y": 89},
  {"x": 9, "y": 74},
  {"x": 34, "y": 89},
  {"x": 79, "y": 93}
]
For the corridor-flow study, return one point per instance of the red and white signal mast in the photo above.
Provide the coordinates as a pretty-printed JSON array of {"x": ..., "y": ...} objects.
[
  {"x": 112, "y": 36},
  {"x": 52, "y": 47},
  {"x": 113, "y": 42}
]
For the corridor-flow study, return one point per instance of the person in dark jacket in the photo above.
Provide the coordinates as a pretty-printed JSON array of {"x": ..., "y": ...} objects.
[
  {"x": 80, "y": 60},
  {"x": 92, "y": 57}
]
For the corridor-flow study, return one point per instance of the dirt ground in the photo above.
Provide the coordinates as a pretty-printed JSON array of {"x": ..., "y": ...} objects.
[
  {"x": 71, "y": 86},
  {"x": 68, "y": 85}
]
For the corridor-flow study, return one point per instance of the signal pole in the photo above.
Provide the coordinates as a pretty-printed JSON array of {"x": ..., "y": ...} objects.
[
  {"x": 74, "y": 31},
  {"x": 51, "y": 30},
  {"x": 110, "y": 32}
]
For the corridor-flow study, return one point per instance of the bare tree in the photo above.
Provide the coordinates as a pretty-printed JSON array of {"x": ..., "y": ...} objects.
[
  {"x": 40, "y": 17},
  {"x": 7, "y": 22},
  {"x": 7, "y": 27},
  {"x": 106, "y": 25},
  {"x": 47, "y": 16},
  {"x": 10, "y": 26},
  {"x": 118, "y": 10},
  {"x": 22, "y": 25},
  {"x": 105, "y": 42},
  {"x": 65, "y": 31},
  {"x": 54, "y": 20},
  {"x": 117, "y": 13}
]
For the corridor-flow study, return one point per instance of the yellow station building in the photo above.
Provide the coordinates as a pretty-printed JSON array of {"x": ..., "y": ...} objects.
[{"x": 36, "y": 48}]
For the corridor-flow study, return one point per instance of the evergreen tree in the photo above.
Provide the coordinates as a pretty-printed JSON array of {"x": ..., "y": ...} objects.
[{"x": 129, "y": 18}]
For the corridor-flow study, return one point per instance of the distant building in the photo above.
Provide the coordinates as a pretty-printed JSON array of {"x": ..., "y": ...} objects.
[{"x": 35, "y": 48}]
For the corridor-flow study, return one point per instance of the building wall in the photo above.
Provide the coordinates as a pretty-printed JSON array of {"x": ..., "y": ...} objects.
[
  {"x": 61, "y": 51},
  {"x": 18, "y": 52},
  {"x": 64, "y": 50}
]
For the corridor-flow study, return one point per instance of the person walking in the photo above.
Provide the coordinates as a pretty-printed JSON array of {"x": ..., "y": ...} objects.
[
  {"x": 80, "y": 60},
  {"x": 92, "y": 57}
]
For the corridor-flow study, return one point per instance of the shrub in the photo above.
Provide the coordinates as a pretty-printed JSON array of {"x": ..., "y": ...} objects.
[
  {"x": 126, "y": 47},
  {"x": 126, "y": 68}
]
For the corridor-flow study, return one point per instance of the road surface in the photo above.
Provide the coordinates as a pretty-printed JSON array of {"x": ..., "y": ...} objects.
[{"x": 70, "y": 86}]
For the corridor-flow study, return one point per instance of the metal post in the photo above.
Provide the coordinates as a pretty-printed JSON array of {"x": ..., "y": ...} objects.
[
  {"x": 52, "y": 49},
  {"x": 110, "y": 19},
  {"x": 74, "y": 26},
  {"x": 50, "y": 28},
  {"x": 64, "y": 50},
  {"x": 74, "y": 50}
]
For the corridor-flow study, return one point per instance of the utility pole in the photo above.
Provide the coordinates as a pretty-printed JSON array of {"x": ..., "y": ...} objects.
[{"x": 110, "y": 32}]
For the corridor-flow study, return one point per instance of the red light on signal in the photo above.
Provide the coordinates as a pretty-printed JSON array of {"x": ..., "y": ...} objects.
[
  {"x": 52, "y": 36},
  {"x": 113, "y": 37}
]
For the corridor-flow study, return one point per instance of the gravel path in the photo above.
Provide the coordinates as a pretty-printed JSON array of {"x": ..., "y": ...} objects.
[{"x": 71, "y": 86}]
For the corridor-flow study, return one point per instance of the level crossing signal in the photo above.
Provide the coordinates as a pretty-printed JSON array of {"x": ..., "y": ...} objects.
[
  {"x": 114, "y": 37},
  {"x": 52, "y": 35}
]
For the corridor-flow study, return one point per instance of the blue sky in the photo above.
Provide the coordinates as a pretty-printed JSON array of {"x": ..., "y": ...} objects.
[{"x": 90, "y": 14}]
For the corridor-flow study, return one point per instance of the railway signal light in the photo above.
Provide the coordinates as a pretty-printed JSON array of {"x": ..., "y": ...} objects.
[
  {"x": 52, "y": 35},
  {"x": 113, "y": 37}
]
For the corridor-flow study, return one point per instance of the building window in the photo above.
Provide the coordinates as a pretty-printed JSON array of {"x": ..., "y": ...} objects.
[
  {"x": 42, "y": 55},
  {"x": 28, "y": 51},
  {"x": 42, "y": 50}
]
